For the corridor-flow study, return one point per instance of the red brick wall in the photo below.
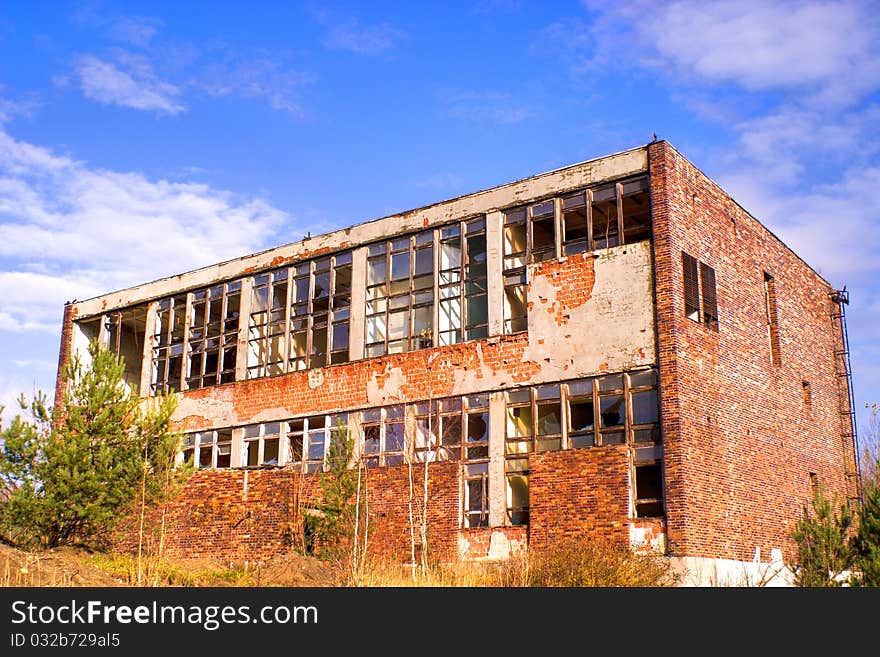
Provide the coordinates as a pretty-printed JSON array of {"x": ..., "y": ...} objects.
[
  {"x": 427, "y": 373},
  {"x": 579, "y": 492},
  {"x": 235, "y": 515},
  {"x": 739, "y": 440},
  {"x": 65, "y": 348},
  {"x": 388, "y": 498},
  {"x": 246, "y": 515}
]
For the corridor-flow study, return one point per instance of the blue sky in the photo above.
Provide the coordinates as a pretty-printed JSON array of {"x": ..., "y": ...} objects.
[{"x": 144, "y": 139}]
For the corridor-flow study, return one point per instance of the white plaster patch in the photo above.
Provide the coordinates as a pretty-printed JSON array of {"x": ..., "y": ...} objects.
[
  {"x": 218, "y": 408},
  {"x": 316, "y": 378},
  {"x": 612, "y": 331},
  {"x": 389, "y": 390}
]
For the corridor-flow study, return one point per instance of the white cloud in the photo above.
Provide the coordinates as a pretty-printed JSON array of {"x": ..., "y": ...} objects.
[
  {"x": 259, "y": 77},
  {"x": 138, "y": 87},
  {"x": 10, "y": 108},
  {"x": 831, "y": 49},
  {"x": 69, "y": 231},
  {"x": 363, "y": 40},
  {"x": 136, "y": 30},
  {"x": 493, "y": 107}
]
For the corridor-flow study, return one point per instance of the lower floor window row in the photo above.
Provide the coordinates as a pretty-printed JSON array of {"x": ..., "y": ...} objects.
[{"x": 615, "y": 409}]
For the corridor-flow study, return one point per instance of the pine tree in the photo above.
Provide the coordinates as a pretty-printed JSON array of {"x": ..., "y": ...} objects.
[
  {"x": 332, "y": 528},
  {"x": 823, "y": 549},
  {"x": 73, "y": 471},
  {"x": 866, "y": 542}
]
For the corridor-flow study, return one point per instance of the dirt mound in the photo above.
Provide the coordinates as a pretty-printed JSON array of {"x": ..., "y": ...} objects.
[{"x": 59, "y": 567}]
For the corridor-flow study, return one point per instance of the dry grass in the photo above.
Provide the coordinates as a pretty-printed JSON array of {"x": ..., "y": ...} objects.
[{"x": 571, "y": 564}]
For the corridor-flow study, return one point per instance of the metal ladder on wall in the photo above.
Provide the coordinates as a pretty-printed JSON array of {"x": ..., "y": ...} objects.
[{"x": 843, "y": 370}]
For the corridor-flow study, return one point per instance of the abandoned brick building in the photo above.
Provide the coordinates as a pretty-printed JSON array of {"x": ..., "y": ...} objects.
[{"x": 614, "y": 348}]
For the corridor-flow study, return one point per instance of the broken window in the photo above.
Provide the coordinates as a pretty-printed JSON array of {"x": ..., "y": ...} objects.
[
  {"x": 213, "y": 335},
  {"x": 476, "y": 461},
  {"x": 581, "y": 415},
  {"x": 518, "y": 442},
  {"x": 771, "y": 318},
  {"x": 476, "y": 281},
  {"x": 384, "y": 433},
  {"x": 542, "y": 221},
  {"x": 309, "y": 439},
  {"x": 648, "y": 490},
  {"x": 605, "y": 217},
  {"x": 189, "y": 449},
  {"x": 575, "y": 227},
  {"x": 636, "y": 210},
  {"x": 300, "y": 316},
  {"x": 476, "y": 495},
  {"x": 808, "y": 395},
  {"x": 515, "y": 258},
  {"x": 612, "y": 410},
  {"x": 208, "y": 449},
  {"x": 267, "y": 324},
  {"x": 168, "y": 345},
  {"x": 700, "y": 296},
  {"x": 401, "y": 283},
  {"x": 124, "y": 334},
  {"x": 316, "y": 442},
  {"x": 261, "y": 444},
  {"x": 340, "y": 308},
  {"x": 548, "y": 417}
]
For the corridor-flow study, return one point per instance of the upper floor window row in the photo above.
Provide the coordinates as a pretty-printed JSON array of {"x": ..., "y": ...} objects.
[
  {"x": 423, "y": 290},
  {"x": 581, "y": 221}
]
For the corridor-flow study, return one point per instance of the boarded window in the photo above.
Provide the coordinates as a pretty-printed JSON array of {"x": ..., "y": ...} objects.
[
  {"x": 690, "y": 271},
  {"x": 700, "y": 294}
]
